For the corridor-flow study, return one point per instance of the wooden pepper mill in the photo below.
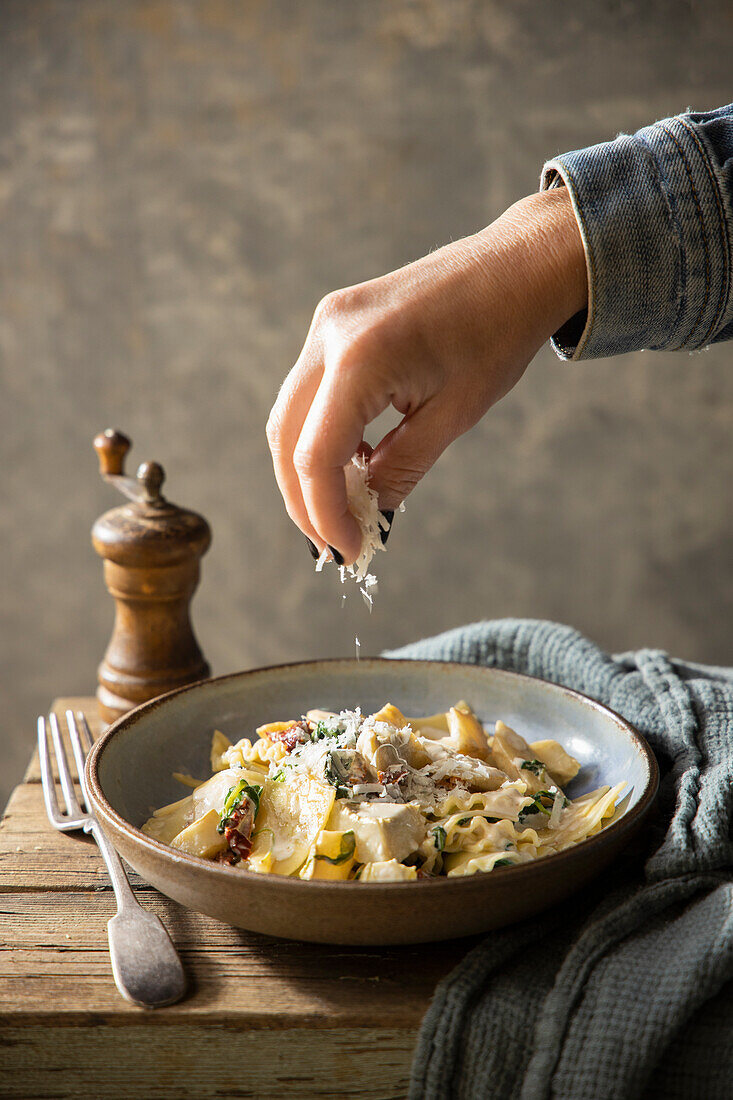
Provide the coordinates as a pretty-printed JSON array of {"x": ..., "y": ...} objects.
[{"x": 151, "y": 550}]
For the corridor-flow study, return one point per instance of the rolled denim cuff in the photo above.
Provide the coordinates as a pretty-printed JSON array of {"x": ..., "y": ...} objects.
[{"x": 655, "y": 218}]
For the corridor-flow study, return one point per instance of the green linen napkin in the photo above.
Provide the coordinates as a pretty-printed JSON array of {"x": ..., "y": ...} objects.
[{"x": 618, "y": 992}]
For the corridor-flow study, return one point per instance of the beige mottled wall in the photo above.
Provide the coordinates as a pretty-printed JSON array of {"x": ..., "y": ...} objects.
[{"x": 181, "y": 182}]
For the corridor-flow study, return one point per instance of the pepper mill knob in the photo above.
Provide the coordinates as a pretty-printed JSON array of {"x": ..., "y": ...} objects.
[
  {"x": 152, "y": 551},
  {"x": 151, "y": 476},
  {"x": 111, "y": 447}
]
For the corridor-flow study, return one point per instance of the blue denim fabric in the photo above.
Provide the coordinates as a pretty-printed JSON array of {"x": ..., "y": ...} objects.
[{"x": 655, "y": 210}]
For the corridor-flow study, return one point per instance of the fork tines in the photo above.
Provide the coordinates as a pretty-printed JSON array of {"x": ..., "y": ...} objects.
[{"x": 79, "y": 736}]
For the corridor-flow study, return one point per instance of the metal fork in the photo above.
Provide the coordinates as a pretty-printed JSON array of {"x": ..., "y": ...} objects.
[{"x": 146, "y": 968}]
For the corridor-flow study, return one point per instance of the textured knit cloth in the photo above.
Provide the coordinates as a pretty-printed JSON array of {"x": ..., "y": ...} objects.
[{"x": 618, "y": 992}]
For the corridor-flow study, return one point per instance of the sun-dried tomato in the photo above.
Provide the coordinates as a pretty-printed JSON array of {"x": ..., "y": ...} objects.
[
  {"x": 238, "y": 830},
  {"x": 297, "y": 734},
  {"x": 393, "y": 774},
  {"x": 227, "y": 856},
  {"x": 449, "y": 782}
]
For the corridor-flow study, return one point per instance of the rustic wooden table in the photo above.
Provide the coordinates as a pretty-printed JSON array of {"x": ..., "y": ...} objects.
[{"x": 262, "y": 1018}]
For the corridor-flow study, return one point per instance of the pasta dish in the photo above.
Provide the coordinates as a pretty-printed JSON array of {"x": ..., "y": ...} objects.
[{"x": 382, "y": 798}]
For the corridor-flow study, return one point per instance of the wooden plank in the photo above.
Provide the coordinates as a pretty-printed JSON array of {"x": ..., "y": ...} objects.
[
  {"x": 33, "y": 856},
  {"x": 262, "y": 982},
  {"x": 195, "y": 1061}
]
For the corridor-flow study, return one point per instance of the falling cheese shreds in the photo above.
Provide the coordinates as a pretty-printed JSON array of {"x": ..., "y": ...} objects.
[{"x": 370, "y": 582}]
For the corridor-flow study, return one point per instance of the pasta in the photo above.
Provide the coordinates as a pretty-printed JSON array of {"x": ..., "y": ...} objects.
[{"x": 382, "y": 798}]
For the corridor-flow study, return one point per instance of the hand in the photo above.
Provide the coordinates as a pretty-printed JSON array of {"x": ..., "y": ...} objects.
[{"x": 442, "y": 340}]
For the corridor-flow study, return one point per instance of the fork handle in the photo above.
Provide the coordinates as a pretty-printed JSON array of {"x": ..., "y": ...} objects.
[
  {"x": 145, "y": 964},
  {"x": 124, "y": 894}
]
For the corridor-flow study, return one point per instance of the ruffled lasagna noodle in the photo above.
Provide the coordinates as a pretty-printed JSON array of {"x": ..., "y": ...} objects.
[{"x": 382, "y": 798}]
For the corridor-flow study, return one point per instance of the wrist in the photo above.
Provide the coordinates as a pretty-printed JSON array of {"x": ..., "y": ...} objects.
[
  {"x": 541, "y": 233},
  {"x": 559, "y": 253}
]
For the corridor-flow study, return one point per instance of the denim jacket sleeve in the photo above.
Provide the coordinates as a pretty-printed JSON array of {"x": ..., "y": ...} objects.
[{"x": 655, "y": 211}]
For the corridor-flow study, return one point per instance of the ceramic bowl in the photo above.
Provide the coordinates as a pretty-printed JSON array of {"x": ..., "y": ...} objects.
[{"x": 129, "y": 775}]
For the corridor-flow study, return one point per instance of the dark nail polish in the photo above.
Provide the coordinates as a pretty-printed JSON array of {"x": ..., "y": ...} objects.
[
  {"x": 389, "y": 516},
  {"x": 315, "y": 553},
  {"x": 338, "y": 558}
]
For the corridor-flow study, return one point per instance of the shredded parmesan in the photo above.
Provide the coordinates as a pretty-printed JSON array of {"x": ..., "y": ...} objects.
[{"x": 364, "y": 507}]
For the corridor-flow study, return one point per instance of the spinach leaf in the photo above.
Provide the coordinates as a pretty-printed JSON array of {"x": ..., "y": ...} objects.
[
  {"x": 333, "y": 772},
  {"x": 324, "y": 730},
  {"x": 439, "y": 836},
  {"x": 542, "y": 803},
  {"x": 534, "y": 766},
  {"x": 236, "y": 795}
]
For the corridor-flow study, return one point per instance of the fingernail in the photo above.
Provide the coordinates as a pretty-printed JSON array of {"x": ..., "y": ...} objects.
[
  {"x": 389, "y": 516},
  {"x": 338, "y": 558},
  {"x": 315, "y": 553}
]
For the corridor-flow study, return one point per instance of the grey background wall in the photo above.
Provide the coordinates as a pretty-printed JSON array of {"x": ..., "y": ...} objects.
[{"x": 179, "y": 185}]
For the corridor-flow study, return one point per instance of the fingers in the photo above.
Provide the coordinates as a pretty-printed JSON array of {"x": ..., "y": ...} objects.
[
  {"x": 317, "y": 425},
  {"x": 406, "y": 454},
  {"x": 283, "y": 429},
  {"x": 332, "y": 433},
  {"x": 353, "y": 366}
]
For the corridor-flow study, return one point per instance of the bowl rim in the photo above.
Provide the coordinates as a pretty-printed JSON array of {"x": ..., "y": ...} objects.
[{"x": 616, "y": 829}]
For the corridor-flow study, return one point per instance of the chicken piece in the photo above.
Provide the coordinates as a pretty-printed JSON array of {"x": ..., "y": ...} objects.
[{"x": 382, "y": 830}]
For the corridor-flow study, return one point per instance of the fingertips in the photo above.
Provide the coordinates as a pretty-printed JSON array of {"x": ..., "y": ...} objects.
[
  {"x": 313, "y": 549},
  {"x": 331, "y": 435},
  {"x": 384, "y": 534}
]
